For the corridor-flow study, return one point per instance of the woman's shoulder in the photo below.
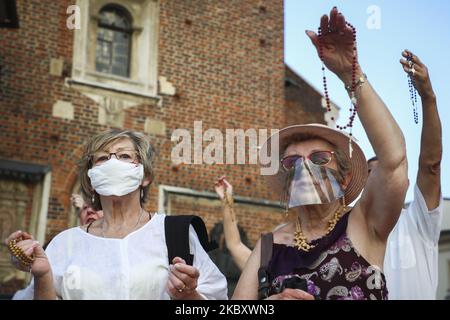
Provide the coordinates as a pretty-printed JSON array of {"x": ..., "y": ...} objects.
[
  {"x": 158, "y": 218},
  {"x": 67, "y": 233},
  {"x": 283, "y": 234},
  {"x": 61, "y": 239},
  {"x": 157, "y": 215}
]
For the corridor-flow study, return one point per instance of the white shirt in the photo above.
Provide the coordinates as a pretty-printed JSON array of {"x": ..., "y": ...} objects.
[
  {"x": 411, "y": 260},
  {"x": 85, "y": 266}
]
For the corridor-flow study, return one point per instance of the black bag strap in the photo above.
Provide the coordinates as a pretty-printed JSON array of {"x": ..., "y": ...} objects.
[
  {"x": 176, "y": 229},
  {"x": 263, "y": 273}
]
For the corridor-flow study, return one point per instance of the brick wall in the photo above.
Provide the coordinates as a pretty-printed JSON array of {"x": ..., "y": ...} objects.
[
  {"x": 225, "y": 59},
  {"x": 302, "y": 101}
]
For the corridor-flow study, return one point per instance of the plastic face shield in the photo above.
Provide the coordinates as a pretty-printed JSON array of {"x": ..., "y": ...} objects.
[{"x": 307, "y": 183}]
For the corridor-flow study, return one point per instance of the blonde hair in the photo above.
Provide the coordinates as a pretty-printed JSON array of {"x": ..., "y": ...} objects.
[{"x": 99, "y": 142}]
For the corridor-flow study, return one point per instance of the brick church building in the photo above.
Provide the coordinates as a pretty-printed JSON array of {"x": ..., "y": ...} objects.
[{"x": 72, "y": 68}]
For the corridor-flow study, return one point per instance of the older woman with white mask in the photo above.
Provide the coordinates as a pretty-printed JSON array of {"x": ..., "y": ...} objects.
[{"x": 123, "y": 255}]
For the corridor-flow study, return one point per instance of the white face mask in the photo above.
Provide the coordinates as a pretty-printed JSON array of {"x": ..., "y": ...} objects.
[{"x": 116, "y": 178}]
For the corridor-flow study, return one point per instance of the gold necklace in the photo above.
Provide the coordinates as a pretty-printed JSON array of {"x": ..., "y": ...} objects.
[
  {"x": 137, "y": 223},
  {"x": 300, "y": 241}
]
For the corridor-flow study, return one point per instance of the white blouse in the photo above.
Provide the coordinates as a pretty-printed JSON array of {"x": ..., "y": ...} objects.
[{"x": 85, "y": 266}]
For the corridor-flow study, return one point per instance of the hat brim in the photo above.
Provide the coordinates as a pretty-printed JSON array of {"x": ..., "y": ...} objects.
[{"x": 358, "y": 164}]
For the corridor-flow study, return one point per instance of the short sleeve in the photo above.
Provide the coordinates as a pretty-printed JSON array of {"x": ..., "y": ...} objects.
[
  {"x": 212, "y": 284},
  {"x": 428, "y": 223}
]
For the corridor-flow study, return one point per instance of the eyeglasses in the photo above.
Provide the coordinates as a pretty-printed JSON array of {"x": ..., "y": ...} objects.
[
  {"x": 128, "y": 156},
  {"x": 319, "y": 158}
]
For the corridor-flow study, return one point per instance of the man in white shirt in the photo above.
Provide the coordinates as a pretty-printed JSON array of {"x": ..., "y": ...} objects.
[{"x": 411, "y": 259}]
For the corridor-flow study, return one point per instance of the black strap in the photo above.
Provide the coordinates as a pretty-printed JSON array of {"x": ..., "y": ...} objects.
[
  {"x": 263, "y": 273},
  {"x": 89, "y": 225},
  {"x": 177, "y": 236}
]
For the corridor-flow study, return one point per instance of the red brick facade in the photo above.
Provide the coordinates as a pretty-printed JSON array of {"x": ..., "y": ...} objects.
[{"x": 225, "y": 59}]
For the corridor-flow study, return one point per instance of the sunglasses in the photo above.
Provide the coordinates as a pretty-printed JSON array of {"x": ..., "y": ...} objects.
[{"x": 319, "y": 158}]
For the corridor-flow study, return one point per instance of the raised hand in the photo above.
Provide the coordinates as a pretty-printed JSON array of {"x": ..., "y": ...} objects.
[
  {"x": 420, "y": 74},
  {"x": 337, "y": 45},
  {"x": 222, "y": 186},
  {"x": 77, "y": 201}
]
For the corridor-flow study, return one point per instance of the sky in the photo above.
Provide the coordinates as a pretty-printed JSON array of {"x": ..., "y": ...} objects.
[{"x": 421, "y": 26}]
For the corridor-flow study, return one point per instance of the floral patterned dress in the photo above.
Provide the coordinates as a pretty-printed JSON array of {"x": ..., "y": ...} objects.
[{"x": 333, "y": 269}]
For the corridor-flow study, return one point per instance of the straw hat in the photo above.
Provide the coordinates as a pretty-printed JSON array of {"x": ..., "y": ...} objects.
[{"x": 358, "y": 164}]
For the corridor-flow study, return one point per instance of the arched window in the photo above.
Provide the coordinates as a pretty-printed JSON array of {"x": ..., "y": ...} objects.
[{"x": 114, "y": 41}]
